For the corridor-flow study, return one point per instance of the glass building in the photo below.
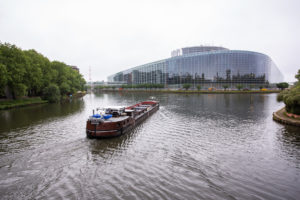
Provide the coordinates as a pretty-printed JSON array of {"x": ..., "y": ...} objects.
[{"x": 207, "y": 66}]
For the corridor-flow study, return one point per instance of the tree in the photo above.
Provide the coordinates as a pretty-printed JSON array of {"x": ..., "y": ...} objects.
[
  {"x": 87, "y": 87},
  {"x": 19, "y": 90},
  {"x": 297, "y": 76},
  {"x": 225, "y": 87},
  {"x": 198, "y": 87},
  {"x": 3, "y": 78},
  {"x": 282, "y": 85},
  {"x": 34, "y": 74},
  {"x": 16, "y": 64},
  {"x": 51, "y": 93},
  {"x": 186, "y": 86},
  {"x": 64, "y": 88},
  {"x": 239, "y": 87},
  {"x": 28, "y": 72}
]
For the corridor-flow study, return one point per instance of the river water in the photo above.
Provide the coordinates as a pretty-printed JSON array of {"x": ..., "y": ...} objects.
[{"x": 208, "y": 146}]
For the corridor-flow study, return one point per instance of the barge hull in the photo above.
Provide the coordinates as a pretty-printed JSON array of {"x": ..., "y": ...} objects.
[{"x": 102, "y": 134}]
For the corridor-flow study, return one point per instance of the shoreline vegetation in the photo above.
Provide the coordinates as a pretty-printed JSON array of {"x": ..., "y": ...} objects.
[
  {"x": 28, "y": 77},
  {"x": 290, "y": 114},
  {"x": 8, "y": 104},
  {"x": 29, "y": 101},
  {"x": 192, "y": 91}
]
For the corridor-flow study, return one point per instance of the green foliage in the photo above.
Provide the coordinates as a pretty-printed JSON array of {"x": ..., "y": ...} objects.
[
  {"x": 16, "y": 64},
  {"x": 51, "y": 93},
  {"x": 282, "y": 85},
  {"x": 198, "y": 87},
  {"x": 297, "y": 76},
  {"x": 186, "y": 86},
  {"x": 99, "y": 87},
  {"x": 225, "y": 87},
  {"x": 239, "y": 87},
  {"x": 291, "y": 98},
  {"x": 35, "y": 72},
  {"x": 19, "y": 90},
  {"x": 3, "y": 78},
  {"x": 64, "y": 88},
  {"x": 281, "y": 95}
]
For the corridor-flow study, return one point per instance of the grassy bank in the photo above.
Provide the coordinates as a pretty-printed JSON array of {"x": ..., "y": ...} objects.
[
  {"x": 7, "y": 104},
  {"x": 196, "y": 91}
]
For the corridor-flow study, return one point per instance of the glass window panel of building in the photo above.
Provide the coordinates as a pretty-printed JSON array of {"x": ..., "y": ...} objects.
[{"x": 212, "y": 68}]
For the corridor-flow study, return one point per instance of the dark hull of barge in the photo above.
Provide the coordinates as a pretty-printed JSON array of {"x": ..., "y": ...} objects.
[{"x": 113, "y": 129}]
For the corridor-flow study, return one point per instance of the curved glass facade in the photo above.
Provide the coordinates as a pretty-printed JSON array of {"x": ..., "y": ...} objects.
[{"x": 212, "y": 68}]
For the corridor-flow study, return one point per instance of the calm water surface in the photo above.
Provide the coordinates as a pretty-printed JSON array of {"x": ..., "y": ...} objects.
[{"x": 212, "y": 146}]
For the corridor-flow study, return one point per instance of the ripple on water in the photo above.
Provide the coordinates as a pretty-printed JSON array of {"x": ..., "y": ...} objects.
[{"x": 194, "y": 147}]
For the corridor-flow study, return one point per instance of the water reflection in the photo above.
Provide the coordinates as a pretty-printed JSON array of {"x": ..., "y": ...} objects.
[
  {"x": 24, "y": 116},
  {"x": 288, "y": 138}
]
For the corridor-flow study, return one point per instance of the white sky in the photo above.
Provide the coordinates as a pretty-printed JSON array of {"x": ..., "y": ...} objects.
[{"x": 114, "y": 35}]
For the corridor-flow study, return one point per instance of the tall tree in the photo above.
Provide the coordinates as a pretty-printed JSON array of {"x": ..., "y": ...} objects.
[
  {"x": 29, "y": 72},
  {"x": 282, "y": 85},
  {"x": 3, "y": 78}
]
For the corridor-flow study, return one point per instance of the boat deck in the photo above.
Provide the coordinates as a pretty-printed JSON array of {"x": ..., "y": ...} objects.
[{"x": 116, "y": 119}]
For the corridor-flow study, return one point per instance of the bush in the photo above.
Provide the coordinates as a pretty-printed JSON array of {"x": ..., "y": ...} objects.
[
  {"x": 198, "y": 87},
  {"x": 186, "y": 86},
  {"x": 291, "y": 98},
  {"x": 51, "y": 93},
  {"x": 281, "y": 95}
]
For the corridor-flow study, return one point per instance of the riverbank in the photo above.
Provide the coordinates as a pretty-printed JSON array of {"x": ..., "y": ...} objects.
[
  {"x": 194, "y": 91},
  {"x": 281, "y": 117},
  {"x": 74, "y": 96},
  {"x": 8, "y": 104}
]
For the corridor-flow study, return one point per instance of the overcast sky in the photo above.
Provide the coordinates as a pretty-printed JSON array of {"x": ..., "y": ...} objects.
[{"x": 113, "y": 35}]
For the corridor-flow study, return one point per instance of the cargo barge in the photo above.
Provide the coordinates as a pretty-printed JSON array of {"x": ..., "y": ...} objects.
[{"x": 115, "y": 121}]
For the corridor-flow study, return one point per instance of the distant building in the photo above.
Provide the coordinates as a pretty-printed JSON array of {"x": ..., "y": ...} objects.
[
  {"x": 208, "y": 66},
  {"x": 74, "y": 68}
]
